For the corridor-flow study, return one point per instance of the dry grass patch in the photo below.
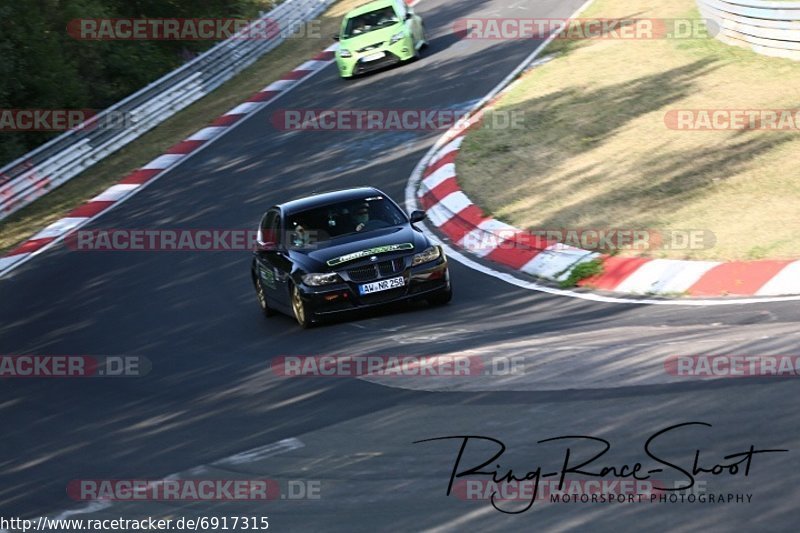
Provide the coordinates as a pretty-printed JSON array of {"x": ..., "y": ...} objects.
[{"x": 596, "y": 153}]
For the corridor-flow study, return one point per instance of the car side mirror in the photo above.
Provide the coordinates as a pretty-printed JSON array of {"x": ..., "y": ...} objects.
[
  {"x": 266, "y": 246},
  {"x": 409, "y": 16},
  {"x": 417, "y": 216},
  {"x": 336, "y": 37}
]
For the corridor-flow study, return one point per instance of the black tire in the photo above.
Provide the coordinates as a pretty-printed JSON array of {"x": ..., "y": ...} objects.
[
  {"x": 299, "y": 309},
  {"x": 441, "y": 298},
  {"x": 417, "y": 53},
  {"x": 422, "y": 46},
  {"x": 261, "y": 296}
]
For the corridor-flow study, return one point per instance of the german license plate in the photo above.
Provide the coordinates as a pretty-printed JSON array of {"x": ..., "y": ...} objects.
[
  {"x": 383, "y": 285},
  {"x": 374, "y": 57}
]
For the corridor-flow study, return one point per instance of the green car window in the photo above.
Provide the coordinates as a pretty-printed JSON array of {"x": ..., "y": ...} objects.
[{"x": 373, "y": 20}]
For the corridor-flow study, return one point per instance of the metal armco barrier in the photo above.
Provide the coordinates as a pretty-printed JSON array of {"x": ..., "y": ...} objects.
[
  {"x": 64, "y": 157},
  {"x": 768, "y": 28}
]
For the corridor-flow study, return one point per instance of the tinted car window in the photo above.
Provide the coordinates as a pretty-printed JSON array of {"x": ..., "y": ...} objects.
[
  {"x": 367, "y": 22},
  {"x": 342, "y": 219}
]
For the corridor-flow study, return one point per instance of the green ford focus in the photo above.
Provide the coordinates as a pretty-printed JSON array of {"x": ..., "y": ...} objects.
[{"x": 378, "y": 34}]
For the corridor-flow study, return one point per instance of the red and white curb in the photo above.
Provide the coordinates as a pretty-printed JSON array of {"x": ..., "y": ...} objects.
[
  {"x": 138, "y": 179},
  {"x": 434, "y": 186},
  {"x": 469, "y": 229}
]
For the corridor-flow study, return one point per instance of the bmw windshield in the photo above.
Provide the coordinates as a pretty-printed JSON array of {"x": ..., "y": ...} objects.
[{"x": 343, "y": 219}]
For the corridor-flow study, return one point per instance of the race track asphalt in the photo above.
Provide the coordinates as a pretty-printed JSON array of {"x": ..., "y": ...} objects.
[{"x": 211, "y": 394}]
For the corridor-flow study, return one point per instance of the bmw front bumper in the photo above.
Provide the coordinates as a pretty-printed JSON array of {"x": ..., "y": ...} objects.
[{"x": 421, "y": 281}]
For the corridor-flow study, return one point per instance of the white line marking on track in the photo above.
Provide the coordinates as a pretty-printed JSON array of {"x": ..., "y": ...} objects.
[{"x": 262, "y": 452}]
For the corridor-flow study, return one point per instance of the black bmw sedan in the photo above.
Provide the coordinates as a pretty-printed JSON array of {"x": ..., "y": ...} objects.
[{"x": 343, "y": 250}]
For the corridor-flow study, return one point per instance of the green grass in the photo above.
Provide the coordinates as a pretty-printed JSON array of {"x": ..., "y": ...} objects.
[{"x": 581, "y": 272}]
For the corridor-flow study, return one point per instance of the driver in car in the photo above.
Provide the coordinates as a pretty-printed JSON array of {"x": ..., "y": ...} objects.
[
  {"x": 386, "y": 17},
  {"x": 299, "y": 237},
  {"x": 361, "y": 217}
]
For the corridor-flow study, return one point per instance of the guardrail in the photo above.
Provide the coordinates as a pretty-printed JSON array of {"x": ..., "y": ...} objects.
[
  {"x": 64, "y": 157},
  {"x": 768, "y": 28}
]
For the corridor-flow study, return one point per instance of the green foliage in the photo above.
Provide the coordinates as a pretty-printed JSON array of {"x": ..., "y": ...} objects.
[
  {"x": 583, "y": 271},
  {"x": 41, "y": 66}
]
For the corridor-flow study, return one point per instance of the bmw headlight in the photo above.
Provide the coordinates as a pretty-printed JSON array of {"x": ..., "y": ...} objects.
[
  {"x": 345, "y": 53},
  {"x": 315, "y": 280},
  {"x": 431, "y": 254},
  {"x": 396, "y": 37}
]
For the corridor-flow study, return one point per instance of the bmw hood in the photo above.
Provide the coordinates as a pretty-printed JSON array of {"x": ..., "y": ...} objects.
[{"x": 340, "y": 253}]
